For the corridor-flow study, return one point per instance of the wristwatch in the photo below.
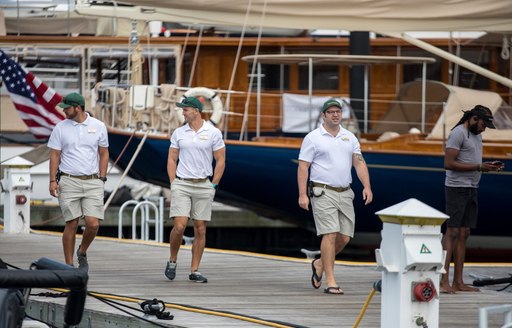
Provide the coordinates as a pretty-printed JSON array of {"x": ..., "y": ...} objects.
[{"x": 104, "y": 179}]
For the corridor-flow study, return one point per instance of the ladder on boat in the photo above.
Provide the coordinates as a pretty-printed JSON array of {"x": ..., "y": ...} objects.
[
  {"x": 505, "y": 310},
  {"x": 150, "y": 212}
]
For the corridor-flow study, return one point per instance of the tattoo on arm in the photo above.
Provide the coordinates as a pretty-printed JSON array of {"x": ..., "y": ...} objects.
[{"x": 360, "y": 157}]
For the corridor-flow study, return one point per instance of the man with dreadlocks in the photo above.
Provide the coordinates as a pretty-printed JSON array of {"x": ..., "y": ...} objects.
[{"x": 464, "y": 167}]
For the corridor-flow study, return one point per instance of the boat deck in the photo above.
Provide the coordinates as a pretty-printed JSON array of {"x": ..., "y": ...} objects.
[{"x": 267, "y": 288}]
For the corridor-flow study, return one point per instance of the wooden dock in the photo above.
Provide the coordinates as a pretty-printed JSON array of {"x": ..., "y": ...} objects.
[{"x": 256, "y": 290}]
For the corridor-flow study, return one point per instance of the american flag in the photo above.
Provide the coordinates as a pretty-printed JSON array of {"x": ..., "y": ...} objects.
[{"x": 33, "y": 99}]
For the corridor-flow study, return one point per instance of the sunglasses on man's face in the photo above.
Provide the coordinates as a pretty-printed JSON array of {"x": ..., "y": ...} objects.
[{"x": 333, "y": 112}]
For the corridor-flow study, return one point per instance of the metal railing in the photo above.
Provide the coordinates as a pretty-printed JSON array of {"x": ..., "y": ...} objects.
[
  {"x": 505, "y": 309},
  {"x": 145, "y": 207}
]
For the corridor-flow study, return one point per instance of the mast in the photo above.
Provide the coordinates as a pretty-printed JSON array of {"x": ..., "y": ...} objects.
[{"x": 359, "y": 78}]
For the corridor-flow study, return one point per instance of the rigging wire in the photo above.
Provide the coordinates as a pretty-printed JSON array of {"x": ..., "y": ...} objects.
[
  {"x": 235, "y": 66},
  {"x": 478, "y": 62},
  {"x": 127, "y": 169},
  {"x": 182, "y": 55},
  {"x": 194, "y": 63},
  {"x": 122, "y": 151},
  {"x": 150, "y": 53},
  {"x": 254, "y": 63}
]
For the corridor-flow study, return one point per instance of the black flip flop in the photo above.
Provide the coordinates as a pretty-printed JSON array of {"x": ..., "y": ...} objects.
[
  {"x": 316, "y": 281},
  {"x": 329, "y": 290}
]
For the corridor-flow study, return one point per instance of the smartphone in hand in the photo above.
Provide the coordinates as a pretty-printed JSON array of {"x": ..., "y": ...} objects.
[{"x": 498, "y": 165}]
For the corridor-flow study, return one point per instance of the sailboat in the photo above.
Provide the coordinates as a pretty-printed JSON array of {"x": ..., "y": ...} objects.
[
  {"x": 261, "y": 172},
  {"x": 262, "y": 161}
]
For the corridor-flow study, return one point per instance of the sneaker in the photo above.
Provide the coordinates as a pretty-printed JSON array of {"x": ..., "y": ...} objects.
[
  {"x": 170, "y": 270},
  {"x": 197, "y": 277},
  {"x": 82, "y": 260}
]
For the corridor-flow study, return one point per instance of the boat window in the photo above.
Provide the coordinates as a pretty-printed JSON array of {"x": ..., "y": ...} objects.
[
  {"x": 59, "y": 68},
  {"x": 109, "y": 71},
  {"x": 271, "y": 77},
  {"x": 503, "y": 117},
  {"x": 324, "y": 78},
  {"x": 111, "y": 65},
  {"x": 77, "y": 68},
  {"x": 187, "y": 68},
  {"x": 470, "y": 79},
  {"x": 170, "y": 70},
  {"x": 414, "y": 72}
]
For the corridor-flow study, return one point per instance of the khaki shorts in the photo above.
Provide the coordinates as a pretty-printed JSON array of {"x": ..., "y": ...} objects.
[
  {"x": 192, "y": 199},
  {"x": 79, "y": 198},
  {"x": 333, "y": 211}
]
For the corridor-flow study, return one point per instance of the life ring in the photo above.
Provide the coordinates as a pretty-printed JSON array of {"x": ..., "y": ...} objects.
[{"x": 210, "y": 95}]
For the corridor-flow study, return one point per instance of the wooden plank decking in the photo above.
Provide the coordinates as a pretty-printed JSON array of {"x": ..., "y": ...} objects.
[{"x": 266, "y": 287}]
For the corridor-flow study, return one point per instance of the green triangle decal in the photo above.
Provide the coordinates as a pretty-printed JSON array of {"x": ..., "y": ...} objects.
[{"x": 425, "y": 250}]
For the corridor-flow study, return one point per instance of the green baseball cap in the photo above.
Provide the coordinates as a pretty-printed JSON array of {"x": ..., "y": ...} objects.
[
  {"x": 73, "y": 99},
  {"x": 191, "y": 102},
  {"x": 330, "y": 103}
]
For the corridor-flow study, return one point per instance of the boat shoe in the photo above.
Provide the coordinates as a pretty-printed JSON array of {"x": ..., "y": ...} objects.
[
  {"x": 197, "y": 277},
  {"x": 170, "y": 270}
]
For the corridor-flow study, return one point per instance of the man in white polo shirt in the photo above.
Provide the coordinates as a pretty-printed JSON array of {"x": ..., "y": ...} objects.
[
  {"x": 78, "y": 168},
  {"x": 330, "y": 151},
  {"x": 193, "y": 148}
]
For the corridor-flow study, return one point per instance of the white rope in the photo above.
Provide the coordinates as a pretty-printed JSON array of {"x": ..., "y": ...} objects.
[
  {"x": 505, "y": 49},
  {"x": 128, "y": 60}
]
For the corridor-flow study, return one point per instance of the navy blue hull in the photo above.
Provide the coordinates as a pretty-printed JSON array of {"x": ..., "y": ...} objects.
[{"x": 264, "y": 179}]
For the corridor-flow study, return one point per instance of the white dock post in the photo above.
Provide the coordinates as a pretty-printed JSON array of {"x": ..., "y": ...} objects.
[
  {"x": 17, "y": 186},
  {"x": 411, "y": 259}
]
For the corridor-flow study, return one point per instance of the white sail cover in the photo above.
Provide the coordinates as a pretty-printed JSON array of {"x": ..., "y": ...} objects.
[
  {"x": 299, "y": 116},
  {"x": 353, "y": 15},
  {"x": 406, "y": 112},
  {"x": 460, "y": 99}
]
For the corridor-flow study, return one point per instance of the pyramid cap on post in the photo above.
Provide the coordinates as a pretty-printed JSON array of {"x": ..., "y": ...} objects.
[
  {"x": 412, "y": 212},
  {"x": 17, "y": 162}
]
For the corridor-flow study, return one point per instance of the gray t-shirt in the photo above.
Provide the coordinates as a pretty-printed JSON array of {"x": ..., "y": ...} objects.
[{"x": 470, "y": 152}]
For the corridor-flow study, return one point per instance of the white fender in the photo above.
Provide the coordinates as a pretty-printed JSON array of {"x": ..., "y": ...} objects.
[{"x": 214, "y": 99}]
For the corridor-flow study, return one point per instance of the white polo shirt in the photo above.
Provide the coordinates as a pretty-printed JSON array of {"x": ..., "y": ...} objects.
[
  {"x": 196, "y": 150},
  {"x": 78, "y": 143},
  {"x": 330, "y": 157}
]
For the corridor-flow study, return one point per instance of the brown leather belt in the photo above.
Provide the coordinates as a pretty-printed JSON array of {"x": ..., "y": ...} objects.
[
  {"x": 195, "y": 180},
  {"x": 81, "y": 177},
  {"x": 322, "y": 185}
]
